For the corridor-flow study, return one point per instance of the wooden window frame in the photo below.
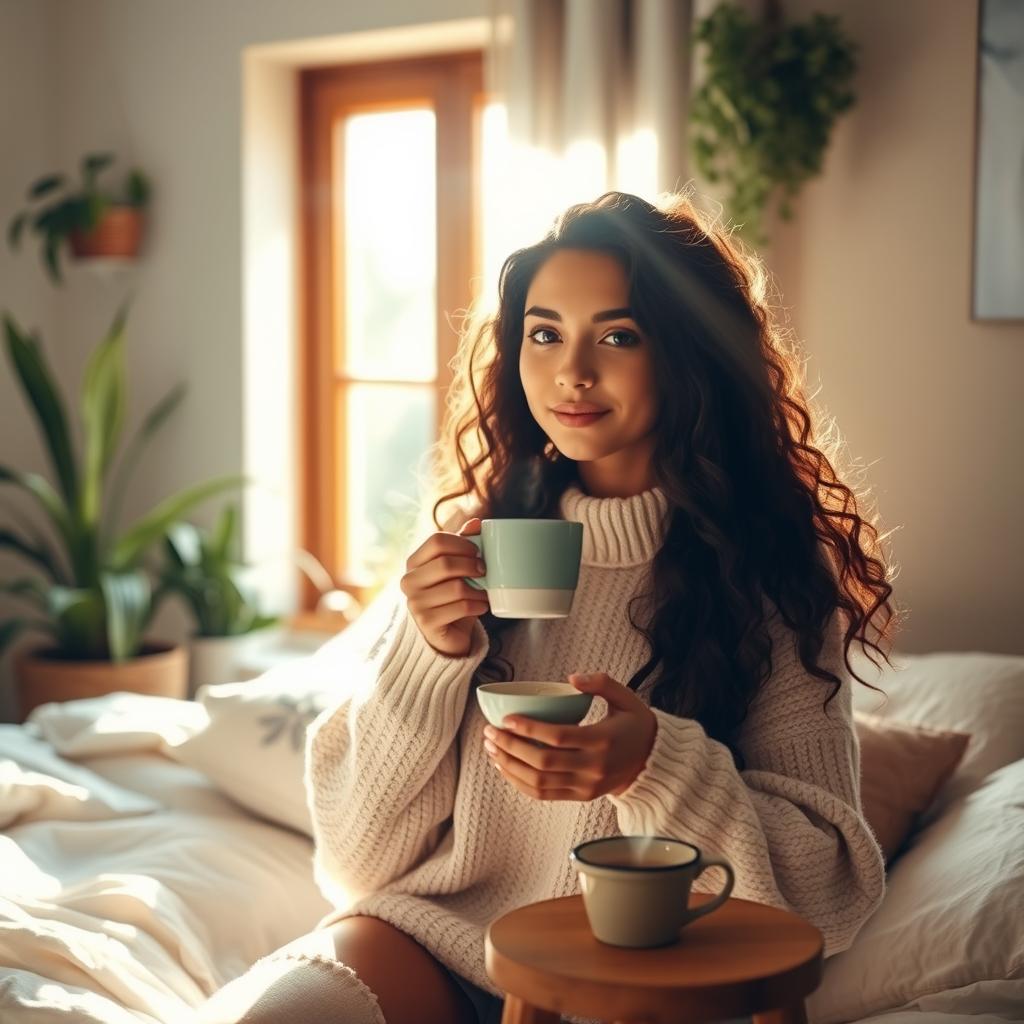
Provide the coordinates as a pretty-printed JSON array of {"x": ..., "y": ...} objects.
[{"x": 452, "y": 85}]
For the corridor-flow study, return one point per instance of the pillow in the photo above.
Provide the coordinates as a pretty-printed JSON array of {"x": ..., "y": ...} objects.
[
  {"x": 951, "y": 915},
  {"x": 978, "y": 694},
  {"x": 902, "y": 767},
  {"x": 253, "y": 748}
]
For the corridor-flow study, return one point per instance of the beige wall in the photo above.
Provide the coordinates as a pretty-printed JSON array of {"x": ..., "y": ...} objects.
[{"x": 876, "y": 272}]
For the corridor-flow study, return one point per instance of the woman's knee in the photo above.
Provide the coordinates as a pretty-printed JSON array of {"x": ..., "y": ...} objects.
[
  {"x": 356, "y": 971},
  {"x": 291, "y": 987}
]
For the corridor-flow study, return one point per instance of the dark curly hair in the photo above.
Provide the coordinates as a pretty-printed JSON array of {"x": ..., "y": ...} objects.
[{"x": 755, "y": 508}]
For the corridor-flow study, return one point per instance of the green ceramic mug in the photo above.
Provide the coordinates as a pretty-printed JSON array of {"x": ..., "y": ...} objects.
[{"x": 533, "y": 566}]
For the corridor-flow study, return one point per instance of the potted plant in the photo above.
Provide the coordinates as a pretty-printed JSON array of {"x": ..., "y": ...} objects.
[
  {"x": 93, "y": 220},
  {"x": 760, "y": 122},
  {"x": 89, "y": 594},
  {"x": 203, "y": 569}
]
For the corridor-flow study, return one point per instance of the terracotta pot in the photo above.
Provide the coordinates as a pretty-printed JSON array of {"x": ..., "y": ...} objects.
[
  {"x": 119, "y": 233},
  {"x": 161, "y": 670}
]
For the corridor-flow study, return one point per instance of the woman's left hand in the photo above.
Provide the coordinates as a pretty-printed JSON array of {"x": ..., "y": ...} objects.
[{"x": 577, "y": 762}]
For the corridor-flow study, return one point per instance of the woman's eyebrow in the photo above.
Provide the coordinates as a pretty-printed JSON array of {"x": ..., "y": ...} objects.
[{"x": 607, "y": 314}]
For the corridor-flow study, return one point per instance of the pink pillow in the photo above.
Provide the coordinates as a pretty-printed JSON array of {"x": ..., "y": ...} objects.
[{"x": 902, "y": 768}]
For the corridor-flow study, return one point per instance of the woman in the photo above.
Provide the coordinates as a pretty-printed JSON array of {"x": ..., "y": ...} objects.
[{"x": 633, "y": 379}]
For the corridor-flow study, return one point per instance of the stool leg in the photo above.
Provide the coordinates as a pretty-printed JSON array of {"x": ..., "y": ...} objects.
[
  {"x": 518, "y": 1012},
  {"x": 794, "y": 1014}
]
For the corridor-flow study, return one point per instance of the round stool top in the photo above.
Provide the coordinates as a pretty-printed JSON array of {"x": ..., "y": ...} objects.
[{"x": 742, "y": 959}]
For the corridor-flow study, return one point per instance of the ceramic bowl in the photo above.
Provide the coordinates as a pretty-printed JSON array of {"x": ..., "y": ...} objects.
[{"x": 560, "y": 703}]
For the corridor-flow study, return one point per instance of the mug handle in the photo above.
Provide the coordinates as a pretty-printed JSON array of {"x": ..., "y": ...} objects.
[
  {"x": 714, "y": 904},
  {"x": 477, "y": 582}
]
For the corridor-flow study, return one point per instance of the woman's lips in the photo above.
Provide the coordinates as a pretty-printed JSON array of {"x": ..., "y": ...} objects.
[{"x": 578, "y": 419}]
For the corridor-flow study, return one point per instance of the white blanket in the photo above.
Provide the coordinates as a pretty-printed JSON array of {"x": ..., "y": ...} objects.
[{"x": 130, "y": 889}]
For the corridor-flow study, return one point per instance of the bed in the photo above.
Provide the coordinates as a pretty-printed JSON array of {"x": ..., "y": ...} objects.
[{"x": 152, "y": 849}]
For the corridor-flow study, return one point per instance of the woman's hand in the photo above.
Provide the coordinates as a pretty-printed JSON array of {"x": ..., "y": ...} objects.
[
  {"x": 577, "y": 762},
  {"x": 442, "y": 604}
]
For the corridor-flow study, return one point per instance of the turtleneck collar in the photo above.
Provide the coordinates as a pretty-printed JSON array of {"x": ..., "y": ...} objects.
[{"x": 618, "y": 532}]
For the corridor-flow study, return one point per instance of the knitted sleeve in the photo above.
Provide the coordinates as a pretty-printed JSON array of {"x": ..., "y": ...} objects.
[
  {"x": 791, "y": 823},
  {"x": 381, "y": 766}
]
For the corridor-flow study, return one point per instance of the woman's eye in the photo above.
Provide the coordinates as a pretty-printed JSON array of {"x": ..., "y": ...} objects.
[
  {"x": 621, "y": 339},
  {"x": 536, "y": 333}
]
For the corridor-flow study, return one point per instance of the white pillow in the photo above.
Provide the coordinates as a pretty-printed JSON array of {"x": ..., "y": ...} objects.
[
  {"x": 979, "y": 694},
  {"x": 951, "y": 915},
  {"x": 253, "y": 748}
]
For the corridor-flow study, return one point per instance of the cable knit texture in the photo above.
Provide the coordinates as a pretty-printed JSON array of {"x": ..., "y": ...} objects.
[{"x": 414, "y": 825}]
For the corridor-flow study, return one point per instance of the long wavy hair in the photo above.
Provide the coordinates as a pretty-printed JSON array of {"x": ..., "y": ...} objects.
[{"x": 755, "y": 508}]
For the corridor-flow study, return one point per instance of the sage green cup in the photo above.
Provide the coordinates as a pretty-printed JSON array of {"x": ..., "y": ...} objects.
[
  {"x": 560, "y": 703},
  {"x": 533, "y": 566},
  {"x": 636, "y": 889}
]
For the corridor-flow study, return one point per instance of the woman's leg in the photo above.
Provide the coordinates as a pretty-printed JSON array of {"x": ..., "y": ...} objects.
[{"x": 356, "y": 971}]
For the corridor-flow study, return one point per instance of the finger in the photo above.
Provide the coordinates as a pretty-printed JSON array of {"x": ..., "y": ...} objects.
[
  {"x": 435, "y": 618},
  {"x": 441, "y": 544},
  {"x": 445, "y": 593},
  {"x": 543, "y": 758},
  {"x": 438, "y": 570},
  {"x": 602, "y": 685},
  {"x": 553, "y": 794},
  {"x": 579, "y": 737},
  {"x": 540, "y": 783}
]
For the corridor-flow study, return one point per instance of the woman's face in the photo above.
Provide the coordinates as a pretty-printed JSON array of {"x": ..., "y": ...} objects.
[{"x": 587, "y": 371}]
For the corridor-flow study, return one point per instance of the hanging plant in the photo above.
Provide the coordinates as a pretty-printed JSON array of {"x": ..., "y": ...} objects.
[
  {"x": 761, "y": 121},
  {"x": 92, "y": 219}
]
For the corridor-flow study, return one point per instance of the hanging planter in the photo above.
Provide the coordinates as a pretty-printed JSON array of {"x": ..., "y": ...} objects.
[
  {"x": 118, "y": 235},
  {"x": 93, "y": 221},
  {"x": 761, "y": 121}
]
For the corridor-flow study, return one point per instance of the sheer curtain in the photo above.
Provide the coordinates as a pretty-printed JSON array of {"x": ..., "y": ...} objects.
[{"x": 590, "y": 95}]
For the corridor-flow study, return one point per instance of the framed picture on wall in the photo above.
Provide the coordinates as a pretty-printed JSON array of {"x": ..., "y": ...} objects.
[{"x": 999, "y": 163}]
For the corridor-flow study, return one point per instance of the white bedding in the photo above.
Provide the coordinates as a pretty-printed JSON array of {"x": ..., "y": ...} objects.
[{"x": 130, "y": 888}]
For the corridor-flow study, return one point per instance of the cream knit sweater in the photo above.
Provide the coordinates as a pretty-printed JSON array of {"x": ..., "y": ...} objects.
[{"x": 413, "y": 825}]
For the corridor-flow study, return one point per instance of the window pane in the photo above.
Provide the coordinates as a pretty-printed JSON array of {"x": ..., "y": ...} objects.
[
  {"x": 388, "y": 431},
  {"x": 390, "y": 246}
]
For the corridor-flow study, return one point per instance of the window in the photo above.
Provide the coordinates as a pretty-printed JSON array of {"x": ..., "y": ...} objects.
[{"x": 392, "y": 241}]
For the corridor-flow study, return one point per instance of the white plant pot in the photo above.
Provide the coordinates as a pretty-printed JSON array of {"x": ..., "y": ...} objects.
[{"x": 220, "y": 659}]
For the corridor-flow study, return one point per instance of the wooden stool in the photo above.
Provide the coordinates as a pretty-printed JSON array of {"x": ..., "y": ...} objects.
[{"x": 744, "y": 959}]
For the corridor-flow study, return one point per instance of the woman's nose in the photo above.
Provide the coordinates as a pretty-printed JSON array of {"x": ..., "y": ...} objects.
[{"x": 575, "y": 370}]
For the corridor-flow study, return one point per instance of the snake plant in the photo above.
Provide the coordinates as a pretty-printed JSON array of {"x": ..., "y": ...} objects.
[{"x": 89, "y": 591}]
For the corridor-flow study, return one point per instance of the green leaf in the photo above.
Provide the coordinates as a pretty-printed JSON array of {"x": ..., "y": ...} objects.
[
  {"x": 184, "y": 543},
  {"x": 37, "y": 382},
  {"x": 158, "y": 415},
  {"x": 127, "y": 598},
  {"x": 51, "y": 254},
  {"x": 15, "y": 230},
  {"x": 103, "y": 411},
  {"x": 79, "y": 621},
  {"x": 224, "y": 533},
  {"x": 92, "y": 164},
  {"x": 31, "y": 589},
  {"x": 151, "y": 527},
  {"x": 47, "y": 497},
  {"x": 137, "y": 189},
  {"x": 37, "y": 552},
  {"x": 45, "y": 185}
]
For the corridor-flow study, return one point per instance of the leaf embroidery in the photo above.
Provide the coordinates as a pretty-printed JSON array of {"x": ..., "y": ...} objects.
[{"x": 292, "y": 720}]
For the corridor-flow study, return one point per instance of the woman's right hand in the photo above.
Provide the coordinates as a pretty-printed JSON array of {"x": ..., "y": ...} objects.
[{"x": 442, "y": 604}]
